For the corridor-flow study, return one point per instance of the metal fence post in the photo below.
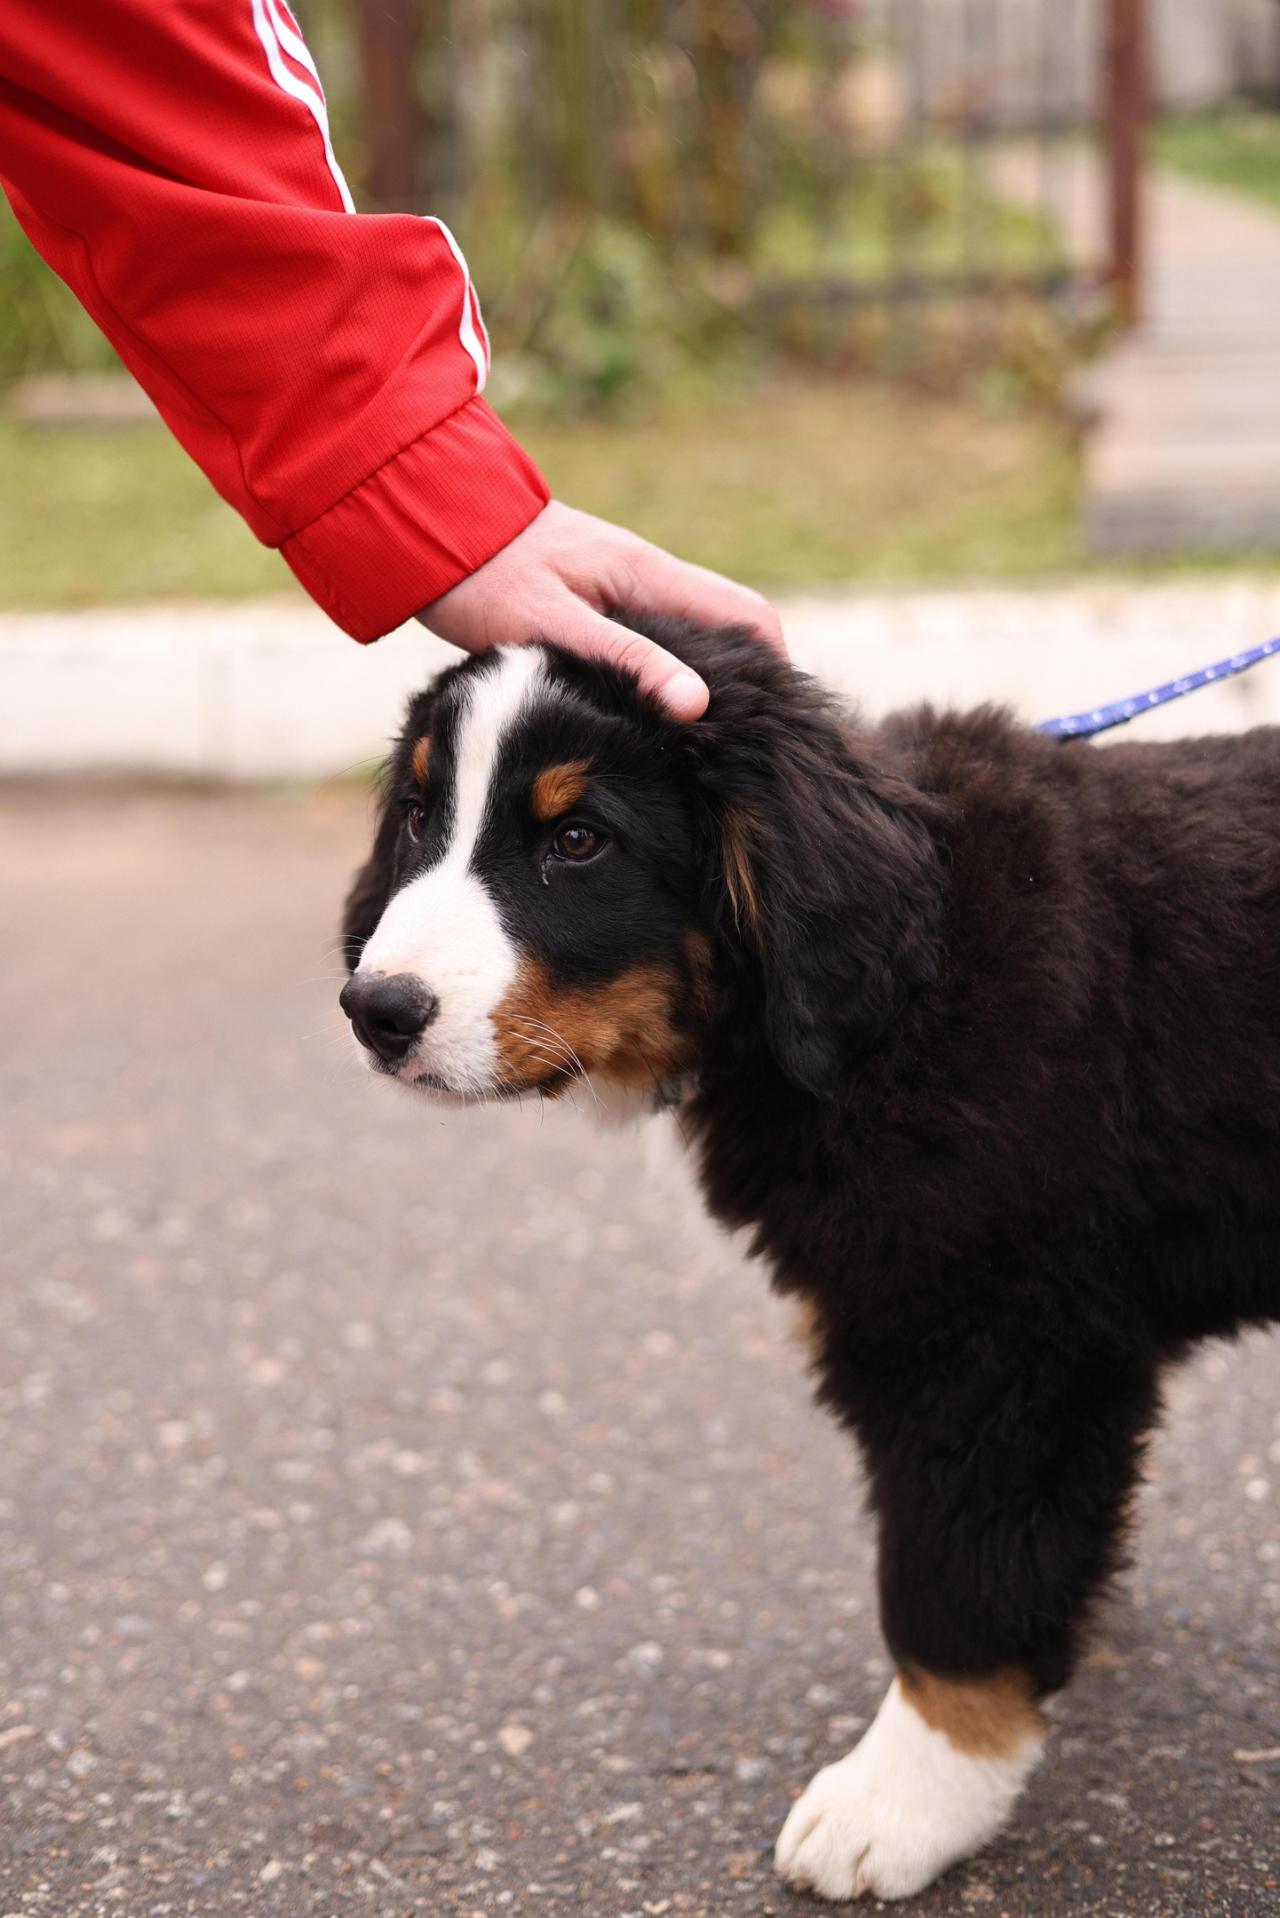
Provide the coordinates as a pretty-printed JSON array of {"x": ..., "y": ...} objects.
[
  {"x": 393, "y": 118},
  {"x": 1126, "y": 89}
]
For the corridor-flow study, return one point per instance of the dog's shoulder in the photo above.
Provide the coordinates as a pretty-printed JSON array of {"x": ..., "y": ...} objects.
[{"x": 979, "y": 762}]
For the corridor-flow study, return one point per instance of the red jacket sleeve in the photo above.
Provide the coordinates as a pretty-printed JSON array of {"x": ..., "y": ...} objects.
[{"x": 171, "y": 160}]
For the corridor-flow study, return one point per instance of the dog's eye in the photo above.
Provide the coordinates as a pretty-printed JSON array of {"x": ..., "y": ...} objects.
[
  {"x": 415, "y": 819},
  {"x": 577, "y": 843}
]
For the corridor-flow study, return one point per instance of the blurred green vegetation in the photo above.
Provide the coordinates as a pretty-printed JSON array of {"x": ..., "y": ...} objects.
[
  {"x": 598, "y": 314},
  {"x": 648, "y": 195},
  {"x": 788, "y": 485},
  {"x": 619, "y": 319},
  {"x": 1239, "y": 149},
  {"x": 43, "y": 328},
  {"x": 931, "y": 214}
]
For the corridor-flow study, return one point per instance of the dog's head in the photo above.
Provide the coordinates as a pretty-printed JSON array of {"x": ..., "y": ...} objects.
[{"x": 565, "y": 881}]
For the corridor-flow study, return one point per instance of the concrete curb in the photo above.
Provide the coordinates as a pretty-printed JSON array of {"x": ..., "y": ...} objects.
[{"x": 269, "y": 689}]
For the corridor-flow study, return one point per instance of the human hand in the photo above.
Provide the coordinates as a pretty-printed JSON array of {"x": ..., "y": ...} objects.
[{"x": 552, "y": 580}]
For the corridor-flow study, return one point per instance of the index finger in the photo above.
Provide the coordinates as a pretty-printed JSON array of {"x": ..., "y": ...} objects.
[
  {"x": 657, "y": 671},
  {"x": 657, "y": 580}
]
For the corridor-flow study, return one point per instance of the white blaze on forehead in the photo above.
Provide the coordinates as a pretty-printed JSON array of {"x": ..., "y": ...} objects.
[
  {"x": 443, "y": 928},
  {"x": 495, "y": 701}
]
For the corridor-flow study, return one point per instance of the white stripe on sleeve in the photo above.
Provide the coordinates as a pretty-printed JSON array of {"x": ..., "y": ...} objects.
[
  {"x": 291, "y": 40},
  {"x": 278, "y": 35},
  {"x": 475, "y": 343},
  {"x": 265, "y": 25}
]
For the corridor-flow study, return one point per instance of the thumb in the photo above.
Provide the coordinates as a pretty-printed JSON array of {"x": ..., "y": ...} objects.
[{"x": 658, "y": 672}]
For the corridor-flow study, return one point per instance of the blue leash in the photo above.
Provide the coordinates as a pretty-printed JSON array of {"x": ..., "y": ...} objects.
[{"x": 1103, "y": 718}]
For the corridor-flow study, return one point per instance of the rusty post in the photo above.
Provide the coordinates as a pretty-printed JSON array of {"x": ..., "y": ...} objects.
[
  {"x": 389, "y": 31},
  {"x": 1126, "y": 125}
]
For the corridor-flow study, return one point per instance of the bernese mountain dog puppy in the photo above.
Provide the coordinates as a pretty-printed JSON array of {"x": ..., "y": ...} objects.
[{"x": 977, "y": 1032}]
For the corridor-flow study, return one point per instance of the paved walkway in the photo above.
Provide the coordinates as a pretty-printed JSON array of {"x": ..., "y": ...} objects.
[
  {"x": 1187, "y": 453},
  {"x": 1184, "y": 452}
]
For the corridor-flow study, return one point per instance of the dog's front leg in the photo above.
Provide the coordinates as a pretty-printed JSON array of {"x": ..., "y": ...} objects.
[{"x": 995, "y": 1532}]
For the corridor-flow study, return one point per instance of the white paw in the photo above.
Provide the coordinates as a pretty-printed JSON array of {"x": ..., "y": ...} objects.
[
  {"x": 898, "y": 1810},
  {"x": 848, "y": 1834}
]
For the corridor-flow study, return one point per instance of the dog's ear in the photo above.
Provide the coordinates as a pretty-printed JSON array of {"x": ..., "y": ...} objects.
[
  {"x": 371, "y": 887},
  {"x": 827, "y": 876}
]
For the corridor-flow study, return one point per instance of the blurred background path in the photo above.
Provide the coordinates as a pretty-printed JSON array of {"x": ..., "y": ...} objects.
[
  {"x": 1182, "y": 411},
  {"x": 1186, "y": 448}
]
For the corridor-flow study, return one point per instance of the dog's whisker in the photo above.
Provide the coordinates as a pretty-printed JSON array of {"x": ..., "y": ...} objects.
[
  {"x": 555, "y": 1065},
  {"x": 571, "y": 1070},
  {"x": 574, "y": 1070},
  {"x": 542, "y": 1025},
  {"x": 547, "y": 1051},
  {"x": 556, "y": 1049}
]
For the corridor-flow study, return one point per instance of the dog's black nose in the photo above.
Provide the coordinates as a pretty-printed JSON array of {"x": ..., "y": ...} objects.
[{"x": 387, "y": 1014}]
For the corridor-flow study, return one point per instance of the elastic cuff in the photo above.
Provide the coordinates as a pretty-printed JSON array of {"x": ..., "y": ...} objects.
[{"x": 429, "y": 517}]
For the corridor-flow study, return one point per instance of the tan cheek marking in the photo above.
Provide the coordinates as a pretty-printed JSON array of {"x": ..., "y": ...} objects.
[
  {"x": 982, "y": 1717},
  {"x": 624, "y": 1030},
  {"x": 558, "y": 788},
  {"x": 421, "y": 759}
]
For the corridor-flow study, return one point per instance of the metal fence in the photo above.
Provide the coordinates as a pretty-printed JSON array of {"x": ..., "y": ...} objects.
[
  {"x": 825, "y": 176},
  {"x": 835, "y": 154}
]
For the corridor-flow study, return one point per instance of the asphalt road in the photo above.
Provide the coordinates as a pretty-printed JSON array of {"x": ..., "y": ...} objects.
[{"x": 409, "y": 1514}]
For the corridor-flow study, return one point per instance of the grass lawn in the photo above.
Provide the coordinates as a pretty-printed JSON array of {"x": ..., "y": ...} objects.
[
  {"x": 811, "y": 484},
  {"x": 95, "y": 516},
  {"x": 790, "y": 486},
  {"x": 1239, "y": 149}
]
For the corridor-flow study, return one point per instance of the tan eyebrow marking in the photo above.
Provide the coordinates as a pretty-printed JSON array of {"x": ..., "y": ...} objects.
[
  {"x": 558, "y": 788},
  {"x": 421, "y": 756}
]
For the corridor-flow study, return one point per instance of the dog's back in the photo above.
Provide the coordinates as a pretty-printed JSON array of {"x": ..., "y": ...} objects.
[{"x": 1119, "y": 910}]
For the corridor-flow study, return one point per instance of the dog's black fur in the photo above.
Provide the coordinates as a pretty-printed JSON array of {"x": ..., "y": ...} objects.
[{"x": 988, "y": 1057}]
